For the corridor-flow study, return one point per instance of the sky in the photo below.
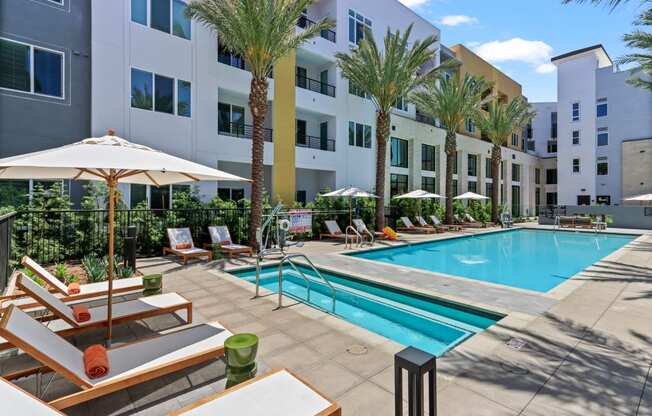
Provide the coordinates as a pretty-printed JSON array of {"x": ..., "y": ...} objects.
[{"x": 520, "y": 36}]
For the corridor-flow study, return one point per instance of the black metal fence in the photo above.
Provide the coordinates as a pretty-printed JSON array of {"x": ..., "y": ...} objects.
[{"x": 6, "y": 229}]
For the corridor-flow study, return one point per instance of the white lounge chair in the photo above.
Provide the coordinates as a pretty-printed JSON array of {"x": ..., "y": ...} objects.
[
  {"x": 129, "y": 364},
  {"x": 16, "y": 401},
  {"x": 181, "y": 245},
  {"x": 122, "y": 312},
  {"x": 88, "y": 291},
  {"x": 334, "y": 230},
  {"x": 411, "y": 228},
  {"x": 220, "y": 235},
  {"x": 278, "y": 393},
  {"x": 437, "y": 224}
]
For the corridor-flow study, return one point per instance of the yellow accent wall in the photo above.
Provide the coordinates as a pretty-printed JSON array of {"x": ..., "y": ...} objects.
[
  {"x": 284, "y": 124},
  {"x": 503, "y": 86}
]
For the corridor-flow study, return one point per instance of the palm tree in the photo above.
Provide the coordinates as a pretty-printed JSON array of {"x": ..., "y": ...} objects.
[
  {"x": 638, "y": 39},
  {"x": 452, "y": 100},
  {"x": 386, "y": 76},
  {"x": 498, "y": 123},
  {"x": 262, "y": 32}
]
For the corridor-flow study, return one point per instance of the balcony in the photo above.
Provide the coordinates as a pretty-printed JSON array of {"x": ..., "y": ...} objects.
[
  {"x": 315, "y": 86},
  {"x": 318, "y": 143},
  {"x": 421, "y": 118},
  {"x": 327, "y": 34},
  {"x": 242, "y": 131}
]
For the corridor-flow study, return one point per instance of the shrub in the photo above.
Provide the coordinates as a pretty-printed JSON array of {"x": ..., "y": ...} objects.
[{"x": 95, "y": 268}]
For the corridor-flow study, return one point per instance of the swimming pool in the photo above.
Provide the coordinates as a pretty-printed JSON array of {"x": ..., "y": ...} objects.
[
  {"x": 432, "y": 325},
  {"x": 536, "y": 260}
]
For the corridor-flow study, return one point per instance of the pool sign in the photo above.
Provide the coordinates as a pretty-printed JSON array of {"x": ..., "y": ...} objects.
[{"x": 300, "y": 220}]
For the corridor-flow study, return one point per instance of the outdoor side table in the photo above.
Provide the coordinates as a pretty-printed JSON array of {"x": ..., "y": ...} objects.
[
  {"x": 417, "y": 363},
  {"x": 240, "y": 355}
]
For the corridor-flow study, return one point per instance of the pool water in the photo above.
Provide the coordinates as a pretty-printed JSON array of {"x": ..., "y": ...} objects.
[
  {"x": 412, "y": 320},
  {"x": 535, "y": 260}
]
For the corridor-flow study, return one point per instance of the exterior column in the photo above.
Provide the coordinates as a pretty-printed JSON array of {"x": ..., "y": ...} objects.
[
  {"x": 415, "y": 164},
  {"x": 462, "y": 171},
  {"x": 284, "y": 124}
]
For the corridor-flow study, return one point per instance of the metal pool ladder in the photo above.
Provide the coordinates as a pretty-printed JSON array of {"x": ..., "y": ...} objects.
[{"x": 288, "y": 259}]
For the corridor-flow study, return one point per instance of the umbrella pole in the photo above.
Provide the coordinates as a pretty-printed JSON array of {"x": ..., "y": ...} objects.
[{"x": 109, "y": 332}]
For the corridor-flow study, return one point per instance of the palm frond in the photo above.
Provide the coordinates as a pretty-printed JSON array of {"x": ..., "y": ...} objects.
[{"x": 502, "y": 119}]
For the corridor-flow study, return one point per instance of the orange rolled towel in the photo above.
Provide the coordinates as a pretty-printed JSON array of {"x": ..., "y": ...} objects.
[
  {"x": 183, "y": 246},
  {"x": 74, "y": 288},
  {"x": 81, "y": 313},
  {"x": 96, "y": 361},
  {"x": 389, "y": 233}
]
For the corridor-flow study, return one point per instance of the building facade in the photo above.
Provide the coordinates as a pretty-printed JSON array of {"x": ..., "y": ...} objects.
[
  {"x": 161, "y": 80},
  {"x": 597, "y": 135}
]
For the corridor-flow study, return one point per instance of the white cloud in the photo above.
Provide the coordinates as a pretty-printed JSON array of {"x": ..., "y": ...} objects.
[
  {"x": 414, "y": 3},
  {"x": 533, "y": 52},
  {"x": 458, "y": 19}
]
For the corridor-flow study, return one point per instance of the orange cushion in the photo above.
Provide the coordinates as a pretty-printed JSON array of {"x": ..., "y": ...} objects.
[
  {"x": 74, "y": 288},
  {"x": 81, "y": 313},
  {"x": 389, "y": 233},
  {"x": 183, "y": 246},
  {"x": 96, "y": 361}
]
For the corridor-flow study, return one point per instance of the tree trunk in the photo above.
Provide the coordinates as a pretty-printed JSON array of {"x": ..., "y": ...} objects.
[
  {"x": 451, "y": 153},
  {"x": 382, "y": 135},
  {"x": 496, "y": 158},
  {"x": 258, "y": 106}
]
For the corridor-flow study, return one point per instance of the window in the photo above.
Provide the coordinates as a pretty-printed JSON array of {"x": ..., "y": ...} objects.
[
  {"x": 514, "y": 140},
  {"x": 576, "y": 166},
  {"x": 160, "y": 15},
  {"x": 301, "y": 132},
  {"x": 230, "y": 194},
  {"x": 602, "y": 167},
  {"x": 428, "y": 158},
  {"x": 516, "y": 200},
  {"x": 163, "y": 94},
  {"x": 531, "y": 145},
  {"x": 359, "y": 135},
  {"x": 516, "y": 173},
  {"x": 553, "y": 125},
  {"x": 602, "y": 107},
  {"x": 14, "y": 192},
  {"x": 583, "y": 200},
  {"x": 576, "y": 137},
  {"x": 357, "y": 26},
  {"x": 552, "y": 146},
  {"x": 551, "y": 198},
  {"x": 183, "y": 98},
  {"x": 576, "y": 112},
  {"x": 355, "y": 90},
  {"x": 473, "y": 165},
  {"x": 455, "y": 187},
  {"x": 159, "y": 197},
  {"x": 603, "y": 199},
  {"x": 31, "y": 69},
  {"x": 141, "y": 89},
  {"x": 301, "y": 197},
  {"x": 551, "y": 176},
  {"x": 472, "y": 186},
  {"x": 487, "y": 168},
  {"x": 230, "y": 119},
  {"x": 401, "y": 104},
  {"x": 139, "y": 11},
  {"x": 137, "y": 194},
  {"x": 537, "y": 200},
  {"x": 603, "y": 136},
  {"x": 537, "y": 176},
  {"x": 398, "y": 184},
  {"x": 469, "y": 125},
  {"x": 428, "y": 184},
  {"x": 399, "y": 153},
  {"x": 180, "y": 23}
]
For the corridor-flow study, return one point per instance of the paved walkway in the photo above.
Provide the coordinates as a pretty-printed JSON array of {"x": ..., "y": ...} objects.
[{"x": 589, "y": 353}]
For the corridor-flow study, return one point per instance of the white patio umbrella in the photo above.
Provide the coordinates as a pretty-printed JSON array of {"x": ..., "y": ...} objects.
[
  {"x": 350, "y": 192},
  {"x": 471, "y": 196},
  {"x": 419, "y": 194},
  {"x": 640, "y": 198},
  {"x": 113, "y": 160}
]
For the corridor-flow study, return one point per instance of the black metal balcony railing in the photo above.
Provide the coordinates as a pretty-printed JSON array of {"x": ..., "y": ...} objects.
[
  {"x": 230, "y": 59},
  {"x": 421, "y": 118},
  {"x": 316, "y": 86},
  {"x": 318, "y": 143},
  {"x": 241, "y": 130},
  {"x": 305, "y": 23}
]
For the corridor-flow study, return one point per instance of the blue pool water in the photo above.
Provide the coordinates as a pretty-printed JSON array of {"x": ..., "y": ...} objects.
[
  {"x": 528, "y": 259},
  {"x": 425, "y": 323}
]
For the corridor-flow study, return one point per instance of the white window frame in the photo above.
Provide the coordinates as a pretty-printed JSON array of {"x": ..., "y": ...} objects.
[
  {"x": 355, "y": 135},
  {"x": 515, "y": 140},
  {"x": 599, "y": 102},
  {"x": 579, "y": 111},
  {"x": 149, "y": 20},
  {"x": 579, "y": 166},
  {"x": 175, "y": 97},
  {"x": 602, "y": 130},
  {"x": 579, "y": 137},
  {"x": 364, "y": 19},
  {"x": 31, "y": 70}
]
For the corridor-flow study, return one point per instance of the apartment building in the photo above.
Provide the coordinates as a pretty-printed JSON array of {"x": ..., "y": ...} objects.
[
  {"x": 597, "y": 137},
  {"x": 162, "y": 80},
  {"x": 45, "y": 78}
]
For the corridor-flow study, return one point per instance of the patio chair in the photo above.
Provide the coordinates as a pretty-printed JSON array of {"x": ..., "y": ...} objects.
[
  {"x": 131, "y": 310},
  {"x": 129, "y": 364},
  {"x": 278, "y": 393},
  {"x": 16, "y": 401},
  {"x": 443, "y": 227},
  {"x": 220, "y": 235},
  {"x": 87, "y": 291},
  {"x": 423, "y": 223},
  {"x": 408, "y": 227},
  {"x": 584, "y": 222},
  {"x": 181, "y": 245},
  {"x": 566, "y": 222},
  {"x": 334, "y": 230},
  {"x": 471, "y": 222},
  {"x": 363, "y": 230}
]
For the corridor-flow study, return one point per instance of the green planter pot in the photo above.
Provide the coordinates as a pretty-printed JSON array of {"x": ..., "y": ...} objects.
[
  {"x": 152, "y": 284},
  {"x": 240, "y": 354}
]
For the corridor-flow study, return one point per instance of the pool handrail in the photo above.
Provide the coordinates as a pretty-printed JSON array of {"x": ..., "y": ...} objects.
[{"x": 288, "y": 259}]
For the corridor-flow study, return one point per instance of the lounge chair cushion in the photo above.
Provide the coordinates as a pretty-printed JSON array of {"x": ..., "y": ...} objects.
[
  {"x": 406, "y": 222},
  {"x": 183, "y": 246},
  {"x": 422, "y": 222},
  {"x": 179, "y": 236},
  {"x": 435, "y": 220},
  {"x": 220, "y": 235},
  {"x": 469, "y": 218},
  {"x": 332, "y": 227}
]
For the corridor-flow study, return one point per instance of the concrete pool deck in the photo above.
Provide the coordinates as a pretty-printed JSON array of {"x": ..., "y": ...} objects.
[{"x": 588, "y": 352}]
